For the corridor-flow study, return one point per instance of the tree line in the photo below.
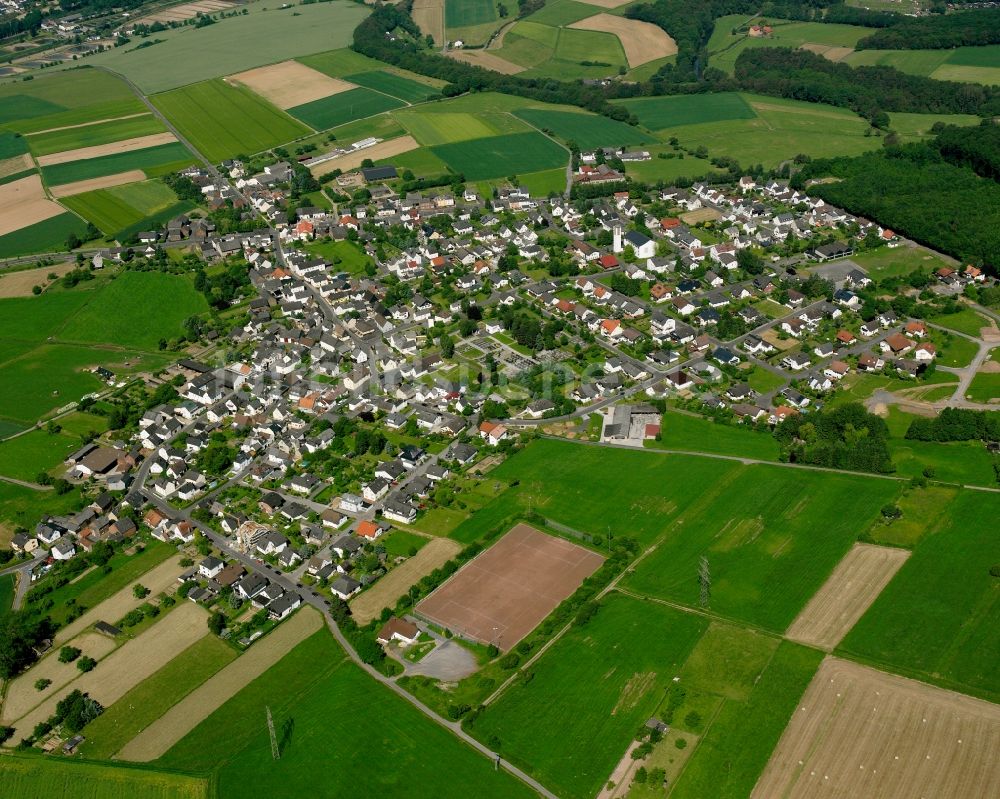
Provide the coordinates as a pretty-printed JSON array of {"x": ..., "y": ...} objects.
[{"x": 974, "y": 27}]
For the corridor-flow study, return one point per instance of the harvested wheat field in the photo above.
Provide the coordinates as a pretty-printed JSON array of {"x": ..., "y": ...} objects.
[
  {"x": 11, "y": 166},
  {"x": 21, "y": 695},
  {"x": 486, "y": 59},
  {"x": 19, "y": 284},
  {"x": 828, "y": 52},
  {"x": 860, "y": 732},
  {"x": 23, "y": 202},
  {"x": 106, "y": 182},
  {"x": 397, "y": 582},
  {"x": 130, "y": 664},
  {"x": 429, "y": 16},
  {"x": 643, "y": 41},
  {"x": 290, "y": 83},
  {"x": 125, "y": 146},
  {"x": 187, "y": 11},
  {"x": 386, "y": 149},
  {"x": 160, "y": 578},
  {"x": 843, "y": 599},
  {"x": 204, "y": 700}
]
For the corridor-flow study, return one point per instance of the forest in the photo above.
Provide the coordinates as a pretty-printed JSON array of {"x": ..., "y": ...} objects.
[
  {"x": 974, "y": 27},
  {"x": 869, "y": 91},
  {"x": 914, "y": 190},
  {"x": 977, "y": 148}
]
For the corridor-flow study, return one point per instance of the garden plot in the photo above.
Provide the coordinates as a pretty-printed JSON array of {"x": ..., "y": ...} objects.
[
  {"x": 290, "y": 83},
  {"x": 126, "y": 146},
  {"x": 643, "y": 42},
  {"x": 856, "y": 582},
  {"x": 23, "y": 203},
  {"x": 860, "y": 732}
]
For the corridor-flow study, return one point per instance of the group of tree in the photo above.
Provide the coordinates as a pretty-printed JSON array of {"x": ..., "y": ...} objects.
[
  {"x": 20, "y": 633},
  {"x": 871, "y": 92},
  {"x": 846, "y": 437},
  {"x": 975, "y": 27},
  {"x": 957, "y": 424},
  {"x": 915, "y": 191}
]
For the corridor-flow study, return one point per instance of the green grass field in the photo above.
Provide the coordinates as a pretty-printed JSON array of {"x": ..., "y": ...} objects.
[
  {"x": 962, "y": 462},
  {"x": 918, "y": 126},
  {"x": 149, "y": 700},
  {"x": 47, "y": 236},
  {"x": 771, "y": 536},
  {"x": 121, "y": 207},
  {"x": 432, "y": 127},
  {"x": 597, "y": 686},
  {"x": 27, "y": 777},
  {"x": 121, "y": 312},
  {"x": 405, "y": 89},
  {"x": 90, "y": 135},
  {"x": 586, "y": 130},
  {"x": 344, "y": 255},
  {"x": 913, "y": 62},
  {"x": 345, "y": 107},
  {"x": 680, "y": 431},
  {"x": 154, "y": 161},
  {"x": 267, "y": 34},
  {"x": 965, "y": 321},
  {"x": 463, "y": 13},
  {"x": 922, "y": 509},
  {"x": 734, "y": 750},
  {"x": 310, "y": 689},
  {"x": 65, "y": 98},
  {"x": 660, "y": 113},
  {"x": 340, "y": 63},
  {"x": 985, "y": 387},
  {"x": 35, "y": 452},
  {"x": 937, "y": 618},
  {"x": 780, "y": 130},
  {"x": 222, "y": 120},
  {"x": 888, "y": 262},
  {"x": 988, "y": 56},
  {"x": 568, "y": 483},
  {"x": 421, "y": 162},
  {"x": 500, "y": 156},
  {"x": 563, "y": 12},
  {"x": 48, "y": 377},
  {"x": 12, "y": 144},
  {"x": 988, "y": 76},
  {"x": 23, "y": 507},
  {"x": 561, "y": 53}
]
